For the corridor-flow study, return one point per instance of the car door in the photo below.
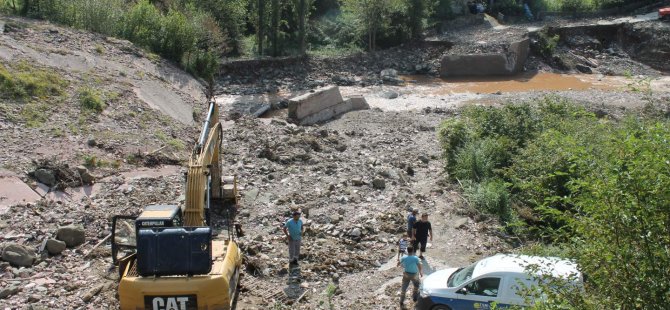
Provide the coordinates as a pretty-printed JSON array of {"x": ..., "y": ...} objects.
[{"x": 479, "y": 294}]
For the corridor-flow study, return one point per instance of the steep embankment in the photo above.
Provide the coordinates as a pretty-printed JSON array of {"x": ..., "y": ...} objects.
[{"x": 80, "y": 109}]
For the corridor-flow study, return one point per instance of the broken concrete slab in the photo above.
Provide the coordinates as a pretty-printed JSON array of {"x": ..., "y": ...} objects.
[
  {"x": 488, "y": 64},
  {"x": 14, "y": 191},
  {"x": 311, "y": 103},
  {"x": 351, "y": 104},
  {"x": 160, "y": 97}
]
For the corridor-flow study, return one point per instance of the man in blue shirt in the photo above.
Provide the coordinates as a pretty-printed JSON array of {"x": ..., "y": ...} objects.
[
  {"x": 411, "y": 219},
  {"x": 412, "y": 273},
  {"x": 293, "y": 229}
]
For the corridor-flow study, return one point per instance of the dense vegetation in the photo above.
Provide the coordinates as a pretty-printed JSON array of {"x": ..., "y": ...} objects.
[
  {"x": 198, "y": 33},
  {"x": 596, "y": 188}
]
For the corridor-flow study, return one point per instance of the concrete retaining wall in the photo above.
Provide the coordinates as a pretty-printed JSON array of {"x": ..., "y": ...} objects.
[
  {"x": 311, "y": 103},
  {"x": 508, "y": 63},
  {"x": 322, "y": 105}
]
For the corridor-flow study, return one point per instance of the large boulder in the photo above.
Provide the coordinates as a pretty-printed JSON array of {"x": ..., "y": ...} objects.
[
  {"x": 379, "y": 183},
  {"x": 9, "y": 291},
  {"x": 45, "y": 176},
  {"x": 55, "y": 247},
  {"x": 72, "y": 235},
  {"x": 18, "y": 255}
]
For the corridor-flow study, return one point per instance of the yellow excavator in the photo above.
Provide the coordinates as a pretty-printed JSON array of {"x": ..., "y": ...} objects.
[{"x": 184, "y": 258}]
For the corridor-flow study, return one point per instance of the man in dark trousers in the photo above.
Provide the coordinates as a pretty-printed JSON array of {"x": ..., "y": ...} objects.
[
  {"x": 293, "y": 229},
  {"x": 412, "y": 272},
  {"x": 421, "y": 232},
  {"x": 411, "y": 219}
]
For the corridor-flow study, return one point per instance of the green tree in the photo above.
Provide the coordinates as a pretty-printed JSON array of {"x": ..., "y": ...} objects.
[
  {"x": 369, "y": 16},
  {"x": 623, "y": 223},
  {"x": 302, "y": 15},
  {"x": 416, "y": 12},
  {"x": 142, "y": 25},
  {"x": 260, "y": 26},
  {"x": 274, "y": 28}
]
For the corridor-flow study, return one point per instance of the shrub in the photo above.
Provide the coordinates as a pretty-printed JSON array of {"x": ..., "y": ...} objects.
[
  {"x": 575, "y": 6},
  {"x": 453, "y": 135},
  {"x": 508, "y": 7},
  {"x": 177, "y": 36},
  {"x": 490, "y": 197},
  {"x": 624, "y": 218},
  {"x": 204, "y": 64},
  {"x": 142, "y": 25},
  {"x": 90, "y": 99},
  {"x": 478, "y": 160},
  {"x": 102, "y": 16}
]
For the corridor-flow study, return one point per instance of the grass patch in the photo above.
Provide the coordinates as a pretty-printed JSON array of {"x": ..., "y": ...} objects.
[
  {"x": 172, "y": 142},
  {"x": 92, "y": 161},
  {"x": 91, "y": 100},
  {"x": 35, "y": 114},
  {"x": 23, "y": 81},
  {"x": 334, "y": 51}
]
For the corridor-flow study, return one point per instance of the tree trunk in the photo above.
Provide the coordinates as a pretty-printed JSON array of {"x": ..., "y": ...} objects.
[
  {"x": 416, "y": 12},
  {"x": 25, "y": 8},
  {"x": 275, "y": 27},
  {"x": 302, "y": 25},
  {"x": 261, "y": 21}
]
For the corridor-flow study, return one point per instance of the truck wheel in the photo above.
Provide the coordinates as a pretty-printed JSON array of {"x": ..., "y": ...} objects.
[{"x": 440, "y": 307}]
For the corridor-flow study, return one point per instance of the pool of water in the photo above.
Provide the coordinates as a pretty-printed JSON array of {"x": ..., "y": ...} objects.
[{"x": 524, "y": 82}]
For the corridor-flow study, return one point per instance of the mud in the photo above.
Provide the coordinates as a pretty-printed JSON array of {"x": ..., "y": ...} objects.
[{"x": 524, "y": 82}]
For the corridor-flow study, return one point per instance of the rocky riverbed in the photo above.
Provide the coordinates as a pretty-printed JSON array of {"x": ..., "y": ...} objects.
[{"x": 355, "y": 177}]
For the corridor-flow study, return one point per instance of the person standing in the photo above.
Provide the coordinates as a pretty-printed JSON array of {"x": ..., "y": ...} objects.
[
  {"x": 412, "y": 272},
  {"x": 422, "y": 231},
  {"x": 411, "y": 219},
  {"x": 293, "y": 229},
  {"x": 527, "y": 11},
  {"x": 403, "y": 244}
]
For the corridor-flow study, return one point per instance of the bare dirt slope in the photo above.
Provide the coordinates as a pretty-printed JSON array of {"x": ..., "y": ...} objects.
[{"x": 148, "y": 101}]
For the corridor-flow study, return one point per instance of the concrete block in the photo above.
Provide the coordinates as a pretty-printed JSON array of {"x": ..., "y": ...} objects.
[
  {"x": 521, "y": 51},
  {"x": 352, "y": 104},
  {"x": 311, "y": 103},
  {"x": 508, "y": 63}
]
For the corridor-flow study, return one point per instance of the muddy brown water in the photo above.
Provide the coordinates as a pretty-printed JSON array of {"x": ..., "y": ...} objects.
[{"x": 525, "y": 82}]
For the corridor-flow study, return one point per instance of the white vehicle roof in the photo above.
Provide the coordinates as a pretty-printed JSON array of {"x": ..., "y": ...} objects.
[{"x": 534, "y": 265}]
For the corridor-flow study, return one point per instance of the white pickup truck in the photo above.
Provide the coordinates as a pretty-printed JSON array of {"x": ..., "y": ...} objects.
[{"x": 502, "y": 279}]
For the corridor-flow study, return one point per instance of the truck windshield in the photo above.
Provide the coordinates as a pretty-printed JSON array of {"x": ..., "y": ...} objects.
[{"x": 460, "y": 276}]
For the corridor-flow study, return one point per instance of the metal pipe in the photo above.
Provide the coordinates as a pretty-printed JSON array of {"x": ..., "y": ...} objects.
[{"x": 205, "y": 128}]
